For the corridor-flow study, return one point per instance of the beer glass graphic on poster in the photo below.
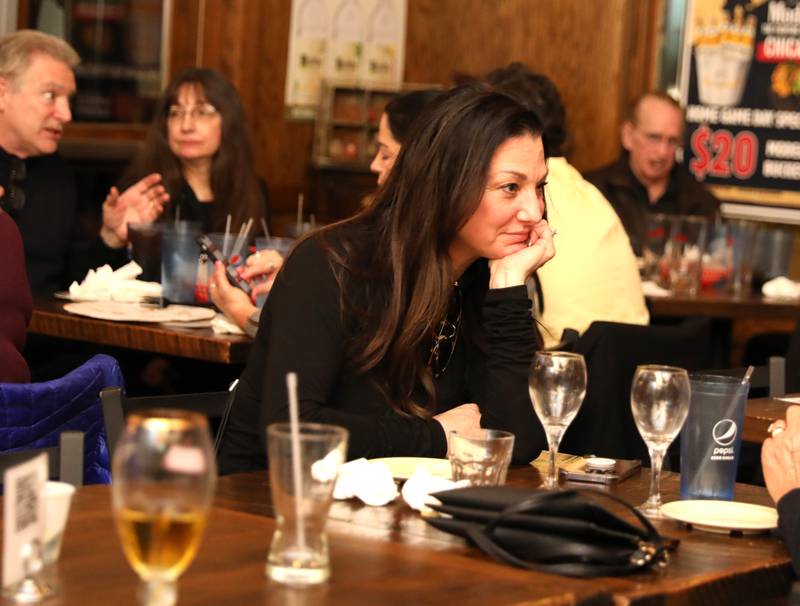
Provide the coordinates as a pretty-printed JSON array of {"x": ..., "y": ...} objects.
[{"x": 741, "y": 88}]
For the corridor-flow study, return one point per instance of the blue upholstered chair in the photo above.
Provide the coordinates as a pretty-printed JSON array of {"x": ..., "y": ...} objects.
[{"x": 33, "y": 415}]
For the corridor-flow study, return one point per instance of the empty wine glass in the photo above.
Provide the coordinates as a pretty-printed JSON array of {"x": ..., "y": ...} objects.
[
  {"x": 164, "y": 476},
  {"x": 660, "y": 403},
  {"x": 557, "y": 384}
]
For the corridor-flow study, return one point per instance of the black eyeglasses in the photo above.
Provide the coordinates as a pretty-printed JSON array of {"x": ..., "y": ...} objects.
[
  {"x": 446, "y": 337},
  {"x": 15, "y": 196}
]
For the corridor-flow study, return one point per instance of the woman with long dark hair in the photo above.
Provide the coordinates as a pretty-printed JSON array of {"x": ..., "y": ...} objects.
[
  {"x": 411, "y": 319},
  {"x": 199, "y": 144}
]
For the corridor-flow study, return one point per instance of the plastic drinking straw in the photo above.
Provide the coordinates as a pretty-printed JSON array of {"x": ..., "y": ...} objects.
[
  {"x": 237, "y": 243},
  {"x": 747, "y": 374},
  {"x": 237, "y": 249},
  {"x": 294, "y": 426},
  {"x": 226, "y": 239},
  {"x": 266, "y": 229},
  {"x": 299, "y": 213}
]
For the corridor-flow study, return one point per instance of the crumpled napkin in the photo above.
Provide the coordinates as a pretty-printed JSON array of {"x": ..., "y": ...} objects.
[
  {"x": 221, "y": 325},
  {"x": 105, "y": 284},
  {"x": 419, "y": 487},
  {"x": 651, "y": 289},
  {"x": 371, "y": 482},
  {"x": 781, "y": 288}
]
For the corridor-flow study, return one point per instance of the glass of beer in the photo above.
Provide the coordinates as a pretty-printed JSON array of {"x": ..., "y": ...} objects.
[{"x": 164, "y": 477}]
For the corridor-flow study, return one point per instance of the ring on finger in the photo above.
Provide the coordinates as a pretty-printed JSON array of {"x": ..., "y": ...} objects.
[{"x": 775, "y": 428}]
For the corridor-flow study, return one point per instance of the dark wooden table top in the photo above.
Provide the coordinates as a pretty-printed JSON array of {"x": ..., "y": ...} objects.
[
  {"x": 760, "y": 412},
  {"x": 49, "y": 318},
  {"x": 706, "y": 569},
  {"x": 723, "y": 305},
  {"x": 229, "y": 569}
]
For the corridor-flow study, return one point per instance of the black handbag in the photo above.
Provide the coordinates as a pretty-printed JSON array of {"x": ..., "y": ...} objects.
[{"x": 563, "y": 532}]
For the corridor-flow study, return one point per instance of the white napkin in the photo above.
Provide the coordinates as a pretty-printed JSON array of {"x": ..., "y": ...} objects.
[
  {"x": 221, "y": 325},
  {"x": 781, "y": 288},
  {"x": 651, "y": 289},
  {"x": 105, "y": 284},
  {"x": 370, "y": 482},
  {"x": 418, "y": 488}
]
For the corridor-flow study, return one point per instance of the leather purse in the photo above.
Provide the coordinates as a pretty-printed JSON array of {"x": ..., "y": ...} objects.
[{"x": 563, "y": 532}]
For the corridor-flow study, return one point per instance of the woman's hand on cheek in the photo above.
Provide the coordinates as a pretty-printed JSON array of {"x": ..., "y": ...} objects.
[{"x": 514, "y": 269}]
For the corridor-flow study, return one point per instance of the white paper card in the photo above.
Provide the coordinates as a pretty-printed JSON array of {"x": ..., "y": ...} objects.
[{"x": 23, "y": 514}]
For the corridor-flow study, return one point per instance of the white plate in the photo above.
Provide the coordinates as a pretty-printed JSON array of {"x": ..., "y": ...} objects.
[
  {"x": 403, "y": 468},
  {"x": 723, "y": 516},
  {"x": 133, "y": 312}
]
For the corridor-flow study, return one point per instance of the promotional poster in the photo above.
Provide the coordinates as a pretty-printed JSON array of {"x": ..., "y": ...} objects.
[{"x": 741, "y": 88}]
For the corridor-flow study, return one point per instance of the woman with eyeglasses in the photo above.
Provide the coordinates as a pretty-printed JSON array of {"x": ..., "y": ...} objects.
[
  {"x": 411, "y": 319},
  {"x": 198, "y": 142}
]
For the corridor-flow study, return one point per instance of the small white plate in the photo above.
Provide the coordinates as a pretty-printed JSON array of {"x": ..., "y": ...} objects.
[
  {"x": 723, "y": 516},
  {"x": 133, "y": 312},
  {"x": 403, "y": 468}
]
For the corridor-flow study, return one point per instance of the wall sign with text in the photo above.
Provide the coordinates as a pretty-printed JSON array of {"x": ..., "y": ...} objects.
[{"x": 741, "y": 88}]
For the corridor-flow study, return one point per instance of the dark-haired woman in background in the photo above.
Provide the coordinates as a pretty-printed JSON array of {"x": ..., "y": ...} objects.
[
  {"x": 411, "y": 319},
  {"x": 395, "y": 126},
  {"x": 199, "y": 143}
]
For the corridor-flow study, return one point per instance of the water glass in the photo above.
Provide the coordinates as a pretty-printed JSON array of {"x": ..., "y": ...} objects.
[
  {"x": 484, "y": 460},
  {"x": 302, "y": 490},
  {"x": 164, "y": 478},
  {"x": 684, "y": 253},
  {"x": 144, "y": 242},
  {"x": 557, "y": 385},
  {"x": 746, "y": 251},
  {"x": 660, "y": 403},
  {"x": 657, "y": 231}
]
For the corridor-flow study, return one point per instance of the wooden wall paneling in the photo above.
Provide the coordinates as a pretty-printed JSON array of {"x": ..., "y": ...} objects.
[
  {"x": 184, "y": 30},
  {"x": 581, "y": 45}
]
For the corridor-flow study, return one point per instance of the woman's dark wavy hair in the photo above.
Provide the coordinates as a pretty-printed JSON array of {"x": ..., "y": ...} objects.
[
  {"x": 403, "y": 109},
  {"x": 394, "y": 268},
  {"x": 234, "y": 182},
  {"x": 539, "y": 93}
]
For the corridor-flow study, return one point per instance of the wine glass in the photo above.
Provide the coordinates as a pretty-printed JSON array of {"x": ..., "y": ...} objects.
[
  {"x": 163, "y": 483},
  {"x": 660, "y": 403},
  {"x": 557, "y": 384}
]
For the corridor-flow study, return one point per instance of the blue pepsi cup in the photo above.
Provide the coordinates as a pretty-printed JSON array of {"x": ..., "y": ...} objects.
[
  {"x": 711, "y": 439},
  {"x": 180, "y": 256}
]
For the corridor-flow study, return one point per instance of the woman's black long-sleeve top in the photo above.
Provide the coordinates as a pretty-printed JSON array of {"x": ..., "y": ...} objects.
[{"x": 302, "y": 330}]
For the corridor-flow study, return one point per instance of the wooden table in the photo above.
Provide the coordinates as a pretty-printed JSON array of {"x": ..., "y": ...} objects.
[
  {"x": 50, "y": 319},
  {"x": 759, "y": 413},
  {"x": 229, "y": 569},
  {"x": 724, "y": 305},
  {"x": 737, "y": 318},
  {"x": 706, "y": 568}
]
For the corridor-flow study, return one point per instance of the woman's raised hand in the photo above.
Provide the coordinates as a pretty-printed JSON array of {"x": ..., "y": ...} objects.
[{"x": 514, "y": 269}]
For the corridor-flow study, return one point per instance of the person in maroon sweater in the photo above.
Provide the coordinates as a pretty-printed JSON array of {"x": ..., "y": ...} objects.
[{"x": 15, "y": 303}]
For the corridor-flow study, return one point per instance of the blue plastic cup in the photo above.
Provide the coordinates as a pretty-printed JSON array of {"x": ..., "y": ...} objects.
[
  {"x": 711, "y": 439},
  {"x": 180, "y": 261}
]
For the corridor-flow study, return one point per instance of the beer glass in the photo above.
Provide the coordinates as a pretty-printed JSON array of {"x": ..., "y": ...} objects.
[{"x": 164, "y": 477}]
